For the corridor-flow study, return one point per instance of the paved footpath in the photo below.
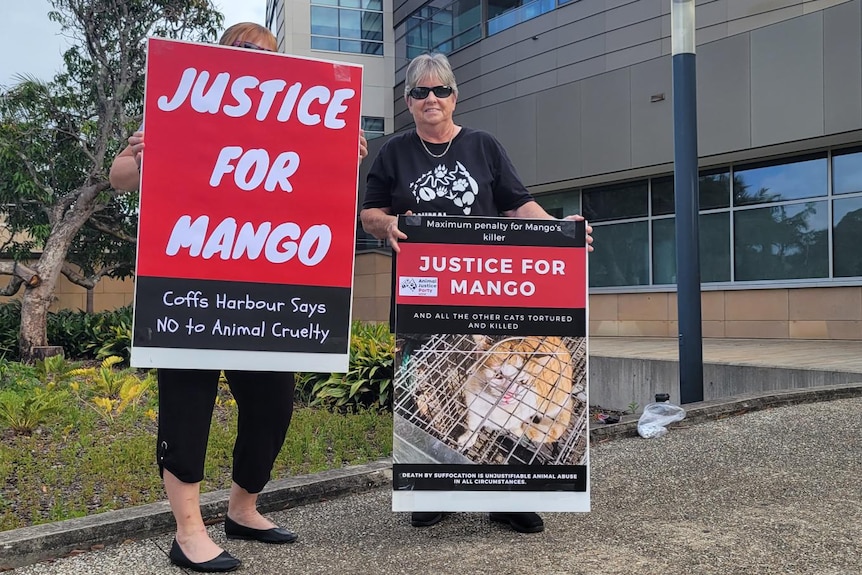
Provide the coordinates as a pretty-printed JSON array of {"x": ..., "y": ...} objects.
[{"x": 776, "y": 491}]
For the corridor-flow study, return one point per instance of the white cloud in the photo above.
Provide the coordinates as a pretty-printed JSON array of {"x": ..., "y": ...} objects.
[{"x": 31, "y": 44}]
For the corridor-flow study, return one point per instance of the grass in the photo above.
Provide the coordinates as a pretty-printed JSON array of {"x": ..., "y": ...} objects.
[{"x": 77, "y": 462}]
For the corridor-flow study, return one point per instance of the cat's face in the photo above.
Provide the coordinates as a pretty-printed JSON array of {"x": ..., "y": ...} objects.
[{"x": 501, "y": 373}]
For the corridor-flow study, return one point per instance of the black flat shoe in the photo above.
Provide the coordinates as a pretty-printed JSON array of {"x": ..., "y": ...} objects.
[
  {"x": 426, "y": 518},
  {"x": 520, "y": 522},
  {"x": 224, "y": 562},
  {"x": 277, "y": 535}
]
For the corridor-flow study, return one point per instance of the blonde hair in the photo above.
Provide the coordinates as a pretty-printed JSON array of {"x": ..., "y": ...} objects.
[
  {"x": 249, "y": 32},
  {"x": 430, "y": 64}
]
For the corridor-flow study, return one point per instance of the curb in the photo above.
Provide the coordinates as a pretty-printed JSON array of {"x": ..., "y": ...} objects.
[{"x": 28, "y": 545}]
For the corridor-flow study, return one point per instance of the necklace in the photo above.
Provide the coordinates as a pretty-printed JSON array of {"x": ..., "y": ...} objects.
[{"x": 429, "y": 151}]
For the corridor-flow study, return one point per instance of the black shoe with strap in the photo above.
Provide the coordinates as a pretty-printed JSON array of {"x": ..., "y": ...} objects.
[{"x": 520, "y": 522}]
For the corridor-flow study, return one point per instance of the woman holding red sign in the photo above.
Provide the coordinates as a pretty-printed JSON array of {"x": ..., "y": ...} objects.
[
  {"x": 443, "y": 168},
  {"x": 186, "y": 400}
]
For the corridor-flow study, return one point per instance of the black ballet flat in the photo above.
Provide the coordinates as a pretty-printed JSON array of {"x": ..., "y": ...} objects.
[
  {"x": 276, "y": 535},
  {"x": 221, "y": 564}
]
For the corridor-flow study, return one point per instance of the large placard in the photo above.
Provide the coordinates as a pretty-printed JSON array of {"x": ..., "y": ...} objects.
[
  {"x": 248, "y": 210},
  {"x": 490, "y": 399}
]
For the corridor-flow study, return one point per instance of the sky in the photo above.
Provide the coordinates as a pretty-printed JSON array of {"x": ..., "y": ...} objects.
[{"x": 31, "y": 44}]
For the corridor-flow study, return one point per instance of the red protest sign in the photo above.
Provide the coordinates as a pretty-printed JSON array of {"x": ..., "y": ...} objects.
[{"x": 248, "y": 203}]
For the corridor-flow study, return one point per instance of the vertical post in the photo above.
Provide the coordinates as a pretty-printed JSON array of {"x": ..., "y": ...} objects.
[{"x": 686, "y": 201}]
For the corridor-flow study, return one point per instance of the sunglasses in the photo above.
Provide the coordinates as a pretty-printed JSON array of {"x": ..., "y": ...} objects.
[
  {"x": 249, "y": 46},
  {"x": 421, "y": 92}
]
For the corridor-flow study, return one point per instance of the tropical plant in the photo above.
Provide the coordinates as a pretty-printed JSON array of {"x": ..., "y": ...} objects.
[
  {"x": 25, "y": 409},
  {"x": 368, "y": 381},
  {"x": 110, "y": 391}
]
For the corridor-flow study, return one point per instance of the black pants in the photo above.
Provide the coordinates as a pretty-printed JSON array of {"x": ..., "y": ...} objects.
[{"x": 186, "y": 400}]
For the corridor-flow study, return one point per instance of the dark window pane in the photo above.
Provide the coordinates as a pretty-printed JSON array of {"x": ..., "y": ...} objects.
[
  {"x": 376, "y": 5},
  {"x": 560, "y": 204},
  {"x": 714, "y": 249},
  {"x": 662, "y": 196},
  {"x": 847, "y": 173},
  {"x": 714, "y": 190},
  {"x": 847, "y": 237},
  {"x": 782, "y": 242},
  {"x": 324, "y": 21},
  {"x": 774, "y": 183},
  {"x": 372, "y": 123},
  {"x": 373, "y": 48},
  {"x": 372, "y": 26},
  {"x": 623, "y": 259},
  {"x": 320, "y": 43},
  {"x": 616, "y": 202},
  {"x": 664, "y": 251}
]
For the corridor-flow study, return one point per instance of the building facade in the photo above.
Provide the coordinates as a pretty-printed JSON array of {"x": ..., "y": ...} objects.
[{"x": 580, "y": 94}]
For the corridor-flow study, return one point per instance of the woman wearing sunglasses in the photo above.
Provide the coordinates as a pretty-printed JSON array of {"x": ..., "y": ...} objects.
[
  {"x": 186, "y": 399},
  {"x": 443, "y": 168}
]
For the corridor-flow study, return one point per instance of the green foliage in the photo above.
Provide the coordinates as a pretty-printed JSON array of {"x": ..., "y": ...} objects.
[
  {"x": 110, "y": 391},
  {"x": 77, "y": 463},
  {"x": 24, "y": 409},
  {"x": 368, "y": 382},
  {"x": 633, "y": 407},
  {"x": 55, "y": 369},
  {"x": 10, "y": 324},
  {"x": 16, "y": 376},
  {"x": 57, "y": 141}
]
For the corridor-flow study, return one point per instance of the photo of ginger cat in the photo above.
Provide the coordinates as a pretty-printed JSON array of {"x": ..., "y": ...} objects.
[{"x": 522, "y": 385}]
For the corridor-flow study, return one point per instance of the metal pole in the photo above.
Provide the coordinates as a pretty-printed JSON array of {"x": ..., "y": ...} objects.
[{"x": 686, "y": 201}]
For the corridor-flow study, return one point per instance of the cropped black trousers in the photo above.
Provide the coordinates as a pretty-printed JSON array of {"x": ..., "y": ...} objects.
[{"x": 186, "y": 400}]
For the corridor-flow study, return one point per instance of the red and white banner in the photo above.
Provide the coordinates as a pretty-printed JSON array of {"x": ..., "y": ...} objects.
[{"x": 248, "y": 210}]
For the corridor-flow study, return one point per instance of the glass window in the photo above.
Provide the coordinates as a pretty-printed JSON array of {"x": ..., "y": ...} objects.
[
  {"x": 442, "y": 29},
  {"x": 355, "y": 27},
  {"x": 713, "y": 192},
  {"x": 782, "y": 242},
  {"x": 616, "y": 202},
  {"x": 847, "y": 236},
  {"x": 662, "y": 196},
  {"x": 321, "y": 43},
  {"x": 324, "y": 21},
  {"x": 373, "y": 127},
  {"x": 560, "y": 204},
  {"x": 847, "y": 173},
  {"x": 623, "y": 259},
  {"x": 714, "y": 240},
  {"x": 761, "y": 184}
]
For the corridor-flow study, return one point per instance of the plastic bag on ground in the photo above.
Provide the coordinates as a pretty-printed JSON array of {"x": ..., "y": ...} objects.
[{"x": 656, "y": 417}]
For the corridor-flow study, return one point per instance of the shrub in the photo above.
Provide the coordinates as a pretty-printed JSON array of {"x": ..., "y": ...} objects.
[
  {"x": 10, "y": 325},
  {"x": 24, "y": 409},
  {"x": 368, "y": 381},
  {"x": 110, "y": 391}
]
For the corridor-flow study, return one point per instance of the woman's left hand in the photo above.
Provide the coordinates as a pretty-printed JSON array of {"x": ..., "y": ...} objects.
[
  {"x": 363, "y": 145},
  {"x": 578, "y": 218}
]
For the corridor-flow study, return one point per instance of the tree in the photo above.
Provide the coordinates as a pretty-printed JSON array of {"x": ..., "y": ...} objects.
[{"x": 57, "y": 140}]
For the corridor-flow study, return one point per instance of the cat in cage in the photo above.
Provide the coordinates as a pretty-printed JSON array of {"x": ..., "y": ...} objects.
[{"x": 522, "y": 385}]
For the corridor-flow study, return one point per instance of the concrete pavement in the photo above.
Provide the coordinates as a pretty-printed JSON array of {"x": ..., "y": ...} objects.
[{"x": 766, "y": 483}]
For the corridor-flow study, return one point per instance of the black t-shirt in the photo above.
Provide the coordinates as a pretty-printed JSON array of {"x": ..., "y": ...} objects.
[{"x": 474, "y": 178}]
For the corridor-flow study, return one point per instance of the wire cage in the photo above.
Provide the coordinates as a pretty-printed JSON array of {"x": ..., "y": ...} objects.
[{"x": 491, "y": 400}]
